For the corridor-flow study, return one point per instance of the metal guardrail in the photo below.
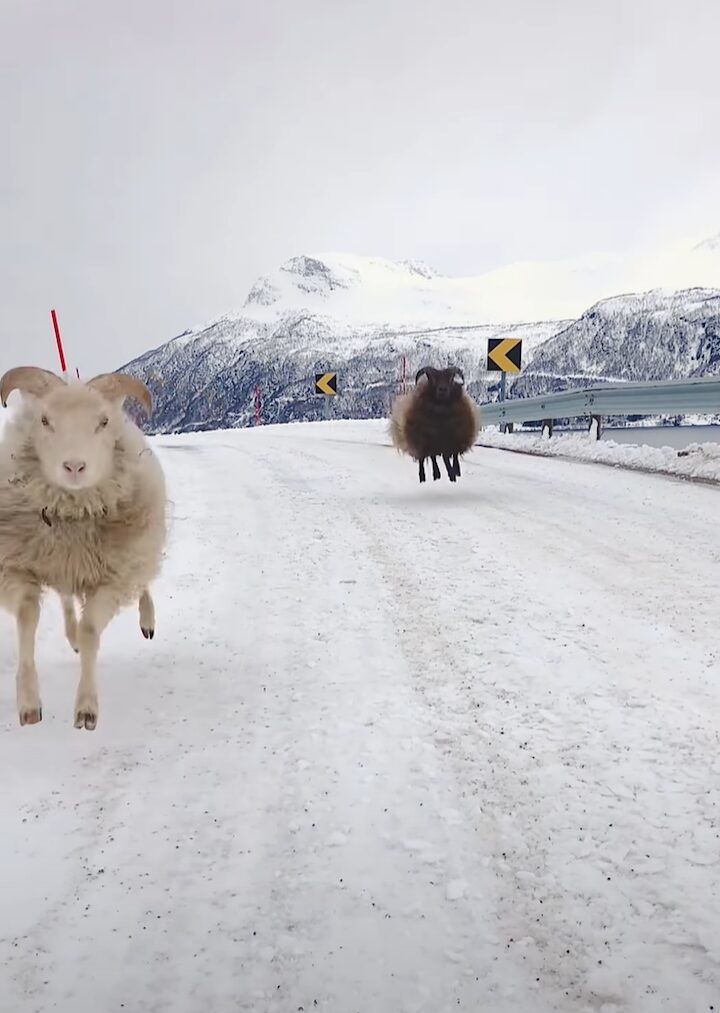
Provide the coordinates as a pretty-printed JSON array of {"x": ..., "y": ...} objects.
[{"x": 667, "y": 397}]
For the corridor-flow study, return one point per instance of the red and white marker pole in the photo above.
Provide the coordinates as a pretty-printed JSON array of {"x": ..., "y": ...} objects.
[{"x": 58, "y": 341}]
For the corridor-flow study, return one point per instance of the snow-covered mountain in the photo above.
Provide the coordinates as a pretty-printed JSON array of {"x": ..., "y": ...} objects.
[
  {"x": 356, "y": 316},
  {"x": 361, "y": 316},
  {"x": 371, "y": 291},
  {"x": 651, "y": 336},
  {"x": 708, "y": 246}
]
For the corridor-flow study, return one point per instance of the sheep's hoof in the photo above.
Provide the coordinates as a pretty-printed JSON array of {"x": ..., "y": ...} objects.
[
  {"x": 86, "y": 719},
  {"x": 31, "y": 716},
  {"x": 148, "y": 634}
]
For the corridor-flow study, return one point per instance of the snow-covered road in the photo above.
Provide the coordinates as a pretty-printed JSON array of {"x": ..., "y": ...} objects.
[{"x": 394, "y": 749}]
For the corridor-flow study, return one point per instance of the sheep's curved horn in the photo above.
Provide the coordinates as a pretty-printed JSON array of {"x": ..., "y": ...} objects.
[
  {"x": 459, "y": 375},
  {"x": 29, "y": 380},
  {"x": 425, "y": 371},
  {"x": 118, "y": 386}
]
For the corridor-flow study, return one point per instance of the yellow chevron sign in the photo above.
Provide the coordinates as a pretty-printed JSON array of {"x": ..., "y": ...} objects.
[
  {"x": 504, "y": 355},
  {"x": 326, "y": 383}
]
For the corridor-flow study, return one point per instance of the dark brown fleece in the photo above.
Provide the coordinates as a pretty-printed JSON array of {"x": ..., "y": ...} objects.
[{"x": 437, "y": 417}]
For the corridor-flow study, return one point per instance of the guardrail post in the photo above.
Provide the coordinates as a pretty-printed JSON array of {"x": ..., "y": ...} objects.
[
  {"x": 503, "y": 392},
  {"x": 595, "y": 427},
  {"x": 547, "y": 429}
]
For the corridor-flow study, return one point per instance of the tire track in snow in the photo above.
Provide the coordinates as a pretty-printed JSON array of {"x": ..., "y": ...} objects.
[
  {"x": 594, "y": 967},
  {"x": 479, "y": 946},
  {"x": 418, "y": 846}
]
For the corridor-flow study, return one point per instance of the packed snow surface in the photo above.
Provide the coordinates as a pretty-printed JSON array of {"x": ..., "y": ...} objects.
[{"x": 394, "y": 749}]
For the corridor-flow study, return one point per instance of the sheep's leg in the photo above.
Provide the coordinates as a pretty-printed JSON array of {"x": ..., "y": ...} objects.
[
  {"x": 449, "y": 467},
  {"x": 27, "y": 615},
  {"x": 456, "y": 465},
  {"x": 147, "y": 615},
  {"x": 99, "y": 609},
  {"x": 435, "y": 469},
  {"x": 422, "y": 469},
  {"x": 71, "y": 626}
]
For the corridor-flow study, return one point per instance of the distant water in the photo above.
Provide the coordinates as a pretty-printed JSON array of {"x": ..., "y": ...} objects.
[
  {"x": 665, "y": 436},
  {"x": 676, "y": 437}
]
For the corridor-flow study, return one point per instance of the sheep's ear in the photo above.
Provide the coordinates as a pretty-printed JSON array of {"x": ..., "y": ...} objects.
[
  {"x": 29, "y": 380},
  {"x": 118, "y": 386},
  {"x": 424, "y": 372},
  {"x": 459, "y": 376}
]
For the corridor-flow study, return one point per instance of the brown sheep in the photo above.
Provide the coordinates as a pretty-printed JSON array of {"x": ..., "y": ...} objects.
[{"x": 436, "y": 419}]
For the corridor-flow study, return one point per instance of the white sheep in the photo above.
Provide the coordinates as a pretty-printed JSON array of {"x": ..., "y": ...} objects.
[{"x": 82, "y": 511}]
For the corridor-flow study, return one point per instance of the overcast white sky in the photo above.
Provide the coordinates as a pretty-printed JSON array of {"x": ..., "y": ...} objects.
[{"x": 160, "y": 155}]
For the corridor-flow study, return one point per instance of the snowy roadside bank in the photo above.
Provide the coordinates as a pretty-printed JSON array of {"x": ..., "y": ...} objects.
[{"x": 699, "y": 461}]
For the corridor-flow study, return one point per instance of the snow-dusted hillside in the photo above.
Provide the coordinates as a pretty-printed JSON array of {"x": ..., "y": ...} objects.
[
  {"x": 652, "y": 336},
  {"x": 360, "y": 317},
  {"x": 353, "y": 315}
]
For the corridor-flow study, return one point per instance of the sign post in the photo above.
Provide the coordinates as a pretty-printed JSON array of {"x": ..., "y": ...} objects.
[
  {"x": 326, "y": 384},
  {"x": 504, "y": 355}
]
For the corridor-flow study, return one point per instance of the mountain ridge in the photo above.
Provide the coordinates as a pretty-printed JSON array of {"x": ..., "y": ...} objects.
[{"x": 361, "y": 316}]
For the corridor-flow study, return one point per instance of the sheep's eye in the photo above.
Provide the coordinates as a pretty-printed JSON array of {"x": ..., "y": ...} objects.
[
  {"x": 103, "y": 421},
  {"x": 45, "y": 420}
]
